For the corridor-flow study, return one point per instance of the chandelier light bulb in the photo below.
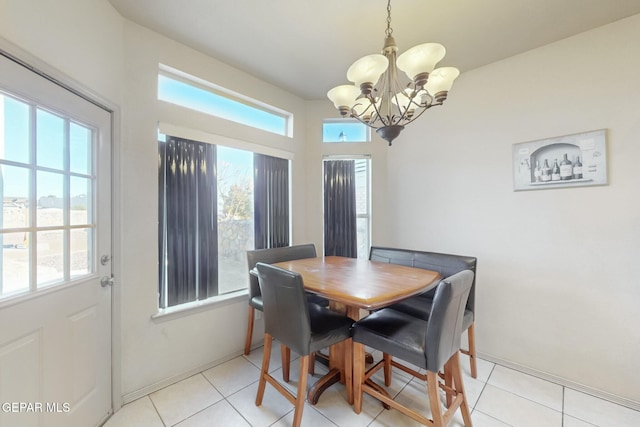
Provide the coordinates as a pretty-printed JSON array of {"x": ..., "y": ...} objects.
[{"x": 403, "y": 101}]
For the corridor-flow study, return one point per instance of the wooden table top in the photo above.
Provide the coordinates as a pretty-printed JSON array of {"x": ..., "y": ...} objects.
[{"x": 361, "y": 283}]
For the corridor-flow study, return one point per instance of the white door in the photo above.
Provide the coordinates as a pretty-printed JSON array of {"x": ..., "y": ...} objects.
[{"x": 55, "y": 226}]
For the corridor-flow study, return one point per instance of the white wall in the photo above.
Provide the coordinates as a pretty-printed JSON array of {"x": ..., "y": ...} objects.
[
  {"x": 82, "y": 39},
  {"x": 557, "y": 288}
]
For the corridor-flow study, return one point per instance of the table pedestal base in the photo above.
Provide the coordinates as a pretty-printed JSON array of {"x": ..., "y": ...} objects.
[{"x": 329, "y": 379}]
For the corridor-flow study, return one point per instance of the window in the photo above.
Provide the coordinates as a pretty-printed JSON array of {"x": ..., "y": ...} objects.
[
  {"x": 188, "y": 91},
  {"x": 363, "y": 206},
  {"x": 215, "y": 203},
  {"x": 345, "y": 130},
  {"x": 47, "y": 181},
  {"x": 347, "y": 206}
]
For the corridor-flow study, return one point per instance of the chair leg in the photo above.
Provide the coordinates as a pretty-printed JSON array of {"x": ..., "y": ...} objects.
[
  {"x": 456, "y": 371},
  {"x": 312, "y": 364},
  {"x": 434, "y": 399},
  {"x": 302, "y": 390},
  {"x": 387, "y": 369},
  {"x": 358, "y": 375},
  {"x": 286, "y": 362},
  {"x": 247, "y": 342},
  {"x": 268, "y": 340},
  {"x": 471, "y": 334},
  {"x": 448, "y": 380}
]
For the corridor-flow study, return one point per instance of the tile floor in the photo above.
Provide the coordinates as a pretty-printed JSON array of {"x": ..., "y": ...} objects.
[{"x": 225, "y": 396}]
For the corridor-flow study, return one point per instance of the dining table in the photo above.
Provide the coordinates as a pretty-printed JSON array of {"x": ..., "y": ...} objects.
[{"x": 354, "y": 286}]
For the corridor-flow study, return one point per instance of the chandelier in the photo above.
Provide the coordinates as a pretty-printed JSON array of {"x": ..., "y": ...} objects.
[{"x": 386, "y": 100}]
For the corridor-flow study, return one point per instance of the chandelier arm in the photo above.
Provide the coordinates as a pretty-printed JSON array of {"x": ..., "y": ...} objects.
[
  {"x": 368, "y": 124},
  {"x": 379, "y": 117},
  {"x": 415, "y": 116}
]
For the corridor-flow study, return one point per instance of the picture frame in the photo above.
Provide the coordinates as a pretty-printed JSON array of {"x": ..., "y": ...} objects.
[{"x": 575, "y": 160}]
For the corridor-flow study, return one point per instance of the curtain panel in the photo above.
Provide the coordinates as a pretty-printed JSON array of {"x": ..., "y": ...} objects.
[
  {"x": 340, "y": 217},
  {"x": 188, "y": 240},
  {"x": 271, "y": 201}
]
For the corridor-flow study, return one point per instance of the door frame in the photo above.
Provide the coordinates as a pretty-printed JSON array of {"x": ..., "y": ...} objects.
[{"x": 47, "y": 71}]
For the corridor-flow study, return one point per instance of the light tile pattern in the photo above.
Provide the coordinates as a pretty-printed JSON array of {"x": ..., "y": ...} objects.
[{"x": 500, "y": 397}]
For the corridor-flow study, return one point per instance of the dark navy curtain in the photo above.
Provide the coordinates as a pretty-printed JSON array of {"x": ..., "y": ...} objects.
[
  {"x": 271, "y": 201},
  {"x": 340, "y": 218},
  {"x": 188, "y": 241}
]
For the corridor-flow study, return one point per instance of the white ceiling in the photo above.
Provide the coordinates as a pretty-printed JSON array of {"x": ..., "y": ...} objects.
[{"x": 306, "y": 46}]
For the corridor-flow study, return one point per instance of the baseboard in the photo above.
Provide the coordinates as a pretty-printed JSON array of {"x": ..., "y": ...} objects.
[
  {"x": 135, "y": 395},
  {"x": 632, "y": 404}
]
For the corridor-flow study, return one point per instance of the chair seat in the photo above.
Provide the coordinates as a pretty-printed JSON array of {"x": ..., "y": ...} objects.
[
  {"x": 420, "y": 307},
  {"x": 327, "y": 327},
  {"x": 317, "y": 299},
  {"x": 257, "y": 303},
  {"x": 395, "y": 333}
]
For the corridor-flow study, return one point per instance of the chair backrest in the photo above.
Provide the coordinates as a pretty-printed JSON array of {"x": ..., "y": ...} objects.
[
  {"x": 286, "y": 311},
  {"x": 444, "y": 327},
  {"x": 445, "y": 264},
  {"x": 273, "y": 255}
]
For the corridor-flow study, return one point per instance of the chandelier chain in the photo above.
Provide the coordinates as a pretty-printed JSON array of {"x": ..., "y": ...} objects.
[{"x": 389, "y": 30}]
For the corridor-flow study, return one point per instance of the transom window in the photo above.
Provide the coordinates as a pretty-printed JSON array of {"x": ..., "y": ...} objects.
[
  {"x": 344, "y": 130},
  {"x": 188, "y": 91}
]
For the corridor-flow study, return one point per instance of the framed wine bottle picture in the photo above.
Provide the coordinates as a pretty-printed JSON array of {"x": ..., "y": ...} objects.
[{"x": 565, "y": 161}]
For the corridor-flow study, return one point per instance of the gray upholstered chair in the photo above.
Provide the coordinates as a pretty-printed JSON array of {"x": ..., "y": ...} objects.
[
  {"x": 420, "y": 305},
  {"x": 431, "y": 344},
  {"x": 271, "y": 256},
  {"x": 301, "y": 326}
]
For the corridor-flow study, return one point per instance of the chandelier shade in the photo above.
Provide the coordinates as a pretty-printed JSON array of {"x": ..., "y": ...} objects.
[
  {"x": 343, "y": 96},
  {"x": 421, "y": 59},
  {"x": 367, "y": 70},
  {"x": 380, "y": 97}
]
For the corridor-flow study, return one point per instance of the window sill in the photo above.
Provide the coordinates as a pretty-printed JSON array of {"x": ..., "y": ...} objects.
[{"x": 187, "y": 309}]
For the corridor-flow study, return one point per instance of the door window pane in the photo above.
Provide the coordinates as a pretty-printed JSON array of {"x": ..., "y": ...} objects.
[
  {"x": 50, "y": 140},
  {"x": 50, "y": 199},
  {"x": 81, "y": 251},
  {"x": 50, "y": 263},
  {"x": 80, "y": 198},
  {"x": 79, "y": 149},
  {"x": 14, "y": 192},
  {"x": 14, "y": 141},
  {"x": 14, "y": 257}
]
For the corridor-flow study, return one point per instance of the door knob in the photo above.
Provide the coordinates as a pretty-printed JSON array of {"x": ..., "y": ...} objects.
[{"x": 107, "y": 281}]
